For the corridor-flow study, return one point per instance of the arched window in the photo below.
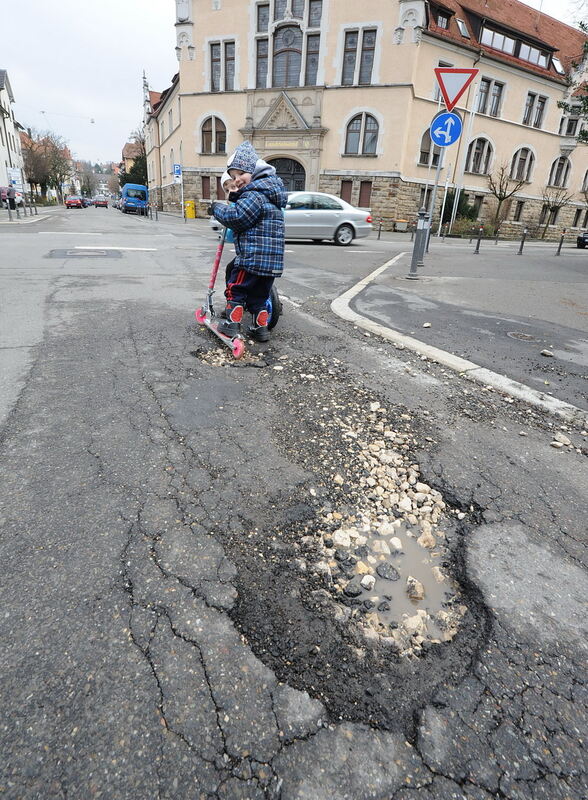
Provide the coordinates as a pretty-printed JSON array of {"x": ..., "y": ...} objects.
[
  {"x": 287, "y": 56},
  {"x": 560, "y": 172},
  {"x": 171, "y": 160},
  {"x": 522, "y": 164},
  {"x": 479, "y": 155},
  {"x": 362, "y": 135},
  {"x": 214, "y": 136},
  {"x": 163, "y": 172},
  {"x": 429, "y": 152}
]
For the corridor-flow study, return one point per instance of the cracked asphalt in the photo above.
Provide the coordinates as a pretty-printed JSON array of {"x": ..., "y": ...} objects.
[{"x": 159, "y": 636}]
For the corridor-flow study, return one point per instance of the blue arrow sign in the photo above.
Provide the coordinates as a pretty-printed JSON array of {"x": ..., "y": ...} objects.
[{"x": 445, "y": 129}]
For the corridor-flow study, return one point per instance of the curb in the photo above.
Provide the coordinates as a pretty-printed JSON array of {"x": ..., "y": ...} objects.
[
  {"x": 340, "y": 307},
  {"x": 36, "y": 218}
]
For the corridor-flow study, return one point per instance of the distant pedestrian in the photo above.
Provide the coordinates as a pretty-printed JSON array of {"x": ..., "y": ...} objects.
[{"x": 11, "y": 197}]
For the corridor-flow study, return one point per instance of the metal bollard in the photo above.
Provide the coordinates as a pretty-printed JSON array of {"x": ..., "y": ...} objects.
[
  {"x": 520, "y": 253},
  {"x": 480, "y": 233},
  {"x": 444, "y": 231},
  {"x": 379, "y": 228},
  {"x": 419, "y": 244},
  {"x": 156, "y": 214},
  {"x": 412, "y": 233},
  {"x": 561, "y": 239},
  {"x": 497, "y": 235}
]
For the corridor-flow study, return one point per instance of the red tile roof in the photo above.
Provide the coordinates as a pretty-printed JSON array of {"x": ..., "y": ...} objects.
[{"x": 525, "y": 23}]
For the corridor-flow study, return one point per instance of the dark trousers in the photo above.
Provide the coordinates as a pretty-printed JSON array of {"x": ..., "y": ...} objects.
[{"x": 249, "y": 290}]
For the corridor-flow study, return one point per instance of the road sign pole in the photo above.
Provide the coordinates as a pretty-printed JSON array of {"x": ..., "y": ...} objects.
[
  {"x": 461, "y": 168},
  {"x": 444, "y": 201},
  {"x": 434, "y": 196},
  {"x": 182, "y": 192},
  {"x": 419, "y": 241}
]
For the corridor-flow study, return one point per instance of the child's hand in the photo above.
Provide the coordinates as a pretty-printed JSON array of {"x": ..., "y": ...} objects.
[{"x": 210, "y": 210}]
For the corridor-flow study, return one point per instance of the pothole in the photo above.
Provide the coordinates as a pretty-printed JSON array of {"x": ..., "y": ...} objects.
[{"x": 222, "y": 357}]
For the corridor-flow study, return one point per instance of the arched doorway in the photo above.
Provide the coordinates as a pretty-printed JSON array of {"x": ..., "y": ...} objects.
[{"x": 291, "y": 172}]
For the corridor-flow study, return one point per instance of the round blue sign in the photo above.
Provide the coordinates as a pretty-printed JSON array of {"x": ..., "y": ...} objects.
[{"x": 445, "y": 129}]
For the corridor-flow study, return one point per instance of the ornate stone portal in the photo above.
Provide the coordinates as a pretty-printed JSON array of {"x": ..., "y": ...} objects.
[{"x": 286, "y": 124}]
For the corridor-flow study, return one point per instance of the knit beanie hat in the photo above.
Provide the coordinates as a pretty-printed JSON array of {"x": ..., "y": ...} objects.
[
  {"x": 244, "y": 158},
  {"x": 224, "y": 178}
]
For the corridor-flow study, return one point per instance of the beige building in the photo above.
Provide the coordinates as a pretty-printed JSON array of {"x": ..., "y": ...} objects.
[{"x": 340, "y": 100}]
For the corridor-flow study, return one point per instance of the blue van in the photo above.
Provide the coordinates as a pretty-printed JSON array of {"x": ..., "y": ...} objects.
[{"x": 134, "y": 197}]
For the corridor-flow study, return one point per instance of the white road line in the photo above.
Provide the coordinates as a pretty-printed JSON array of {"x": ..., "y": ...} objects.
[
  {"x": 288, "y": 300},
  {"x": 66, "y": 233},
  {"x": 340, "y": 306},
  {"x": 102, "y": 247}
]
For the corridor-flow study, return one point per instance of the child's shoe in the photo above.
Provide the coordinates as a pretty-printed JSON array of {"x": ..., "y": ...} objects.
[
  {"x": 259, "y": 331},
  {"x": 231, "y": 325}
]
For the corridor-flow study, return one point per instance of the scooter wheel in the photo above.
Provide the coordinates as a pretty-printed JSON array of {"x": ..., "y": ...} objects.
[
  {"x": 200, "y": 315},
  {"x": 238, "y": 347}
]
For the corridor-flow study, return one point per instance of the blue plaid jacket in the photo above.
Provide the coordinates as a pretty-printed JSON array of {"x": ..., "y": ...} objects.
[{"x": 257, "y": 220}]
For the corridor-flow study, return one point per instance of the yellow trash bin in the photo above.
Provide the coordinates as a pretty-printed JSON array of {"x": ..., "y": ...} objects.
[{"x": 190, "y": 207}]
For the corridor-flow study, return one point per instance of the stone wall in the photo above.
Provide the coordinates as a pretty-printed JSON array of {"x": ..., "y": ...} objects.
[{"x": 171, "y": 194}]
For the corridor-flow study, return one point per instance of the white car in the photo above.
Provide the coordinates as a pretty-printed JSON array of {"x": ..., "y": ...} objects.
[{"x": 318, "y": 216}]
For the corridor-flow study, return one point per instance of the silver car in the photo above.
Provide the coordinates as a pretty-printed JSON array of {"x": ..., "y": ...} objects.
[{"x": 318, "y": 216}]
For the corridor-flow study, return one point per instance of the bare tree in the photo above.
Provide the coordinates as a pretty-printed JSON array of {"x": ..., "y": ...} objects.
[
  {"x": 502, "y": 186},
  {"x": 554, "y": 198},
  {"x": 36, "y": 162}
]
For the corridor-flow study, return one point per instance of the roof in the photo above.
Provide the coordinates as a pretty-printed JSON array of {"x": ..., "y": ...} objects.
[
  {"x": 526, "y": 23},
  {"x": 131, "y": 150},
  {"x": 154, "y": 98},
  {"x": 156, "y": 108}
]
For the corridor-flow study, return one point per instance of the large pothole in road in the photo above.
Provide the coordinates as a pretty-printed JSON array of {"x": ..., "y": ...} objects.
[{"x": 355, "y": 593}]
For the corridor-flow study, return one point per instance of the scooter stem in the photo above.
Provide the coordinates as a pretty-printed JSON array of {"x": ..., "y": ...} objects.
[{"x": 217, "y": 260}]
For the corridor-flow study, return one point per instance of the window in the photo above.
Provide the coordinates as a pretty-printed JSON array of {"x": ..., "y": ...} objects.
[
  {"x": 366, "y": 60},
  {"x": 489, "y": 97},
  {"x": 300, "y": 202},
  {"x": 312, "y": 58},
  {"x": 442, "y": 20},
  {"x": 570, "y": 122},
  {"x": 298, "y": 8},
  {"x": 171, "y": 160},
  {"x": 170, "y": 120},
  {"x": 315, "y": 10},
  {"x": 585, "y": 222},
  {"x": 577, "y": 216},
  {"x": 522, "y": 164},
  {"x": 478, "y": 158},
  {"x": 498, "y": 41},
  {"x": 585, "y": 182},
  {"x": 429, "y": 152},
  {"x": 279, "y": 9},
  {"x": 365, "y": 194},
  {"x": 215, "y": 67},
  {"x": 346, "y": 187},
  {"x": 163, "y": 169},
  {"x": 214, "y": 136},
  {"x": 220, "y": 194},
  {"x": 229, "y": 66},
  {"x": 532, "y": 54},
  {"x": 262, "y": 18},
  {"x": 287, "y": 56},
  {"x": 560, "y": 171},
  {"x": 425, "y": 197},
  {"x": 367, "y": 57},
  {"x": 518, "y": 212},
  {"x": 261, "y": 69},
  {"x": 205, "y": 187},
  {"x": 548, "y": 215},
  {"x": 463, "y": 28},
  {"x": 322, "y": 203},
  {"x": 161, "y": 132},
  {"x": 558, "y": 65},
  {"x": 362, "y": 135},
  {"x": 534, "y": 110}
]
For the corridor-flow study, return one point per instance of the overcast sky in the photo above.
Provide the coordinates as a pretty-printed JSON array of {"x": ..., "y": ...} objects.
[{"x": 78, "y": 60}]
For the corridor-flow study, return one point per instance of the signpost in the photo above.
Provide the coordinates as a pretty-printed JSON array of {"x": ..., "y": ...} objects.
[{"x": 179, "y": 178}]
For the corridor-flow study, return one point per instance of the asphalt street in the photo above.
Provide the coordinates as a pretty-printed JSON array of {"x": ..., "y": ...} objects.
[{"x": 166, "y": 627}]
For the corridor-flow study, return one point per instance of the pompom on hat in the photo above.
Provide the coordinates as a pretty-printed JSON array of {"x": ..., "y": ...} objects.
[{"x": 244, "y": 158}]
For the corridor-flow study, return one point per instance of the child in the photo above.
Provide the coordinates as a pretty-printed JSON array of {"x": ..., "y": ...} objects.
[{"x": 257, "y": 221}]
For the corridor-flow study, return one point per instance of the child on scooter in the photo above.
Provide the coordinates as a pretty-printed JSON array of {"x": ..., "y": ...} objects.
[{"x": 256, "y": 218}]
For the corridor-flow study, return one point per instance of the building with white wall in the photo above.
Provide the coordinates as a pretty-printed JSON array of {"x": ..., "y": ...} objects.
[{"x": 10, "y": 151}]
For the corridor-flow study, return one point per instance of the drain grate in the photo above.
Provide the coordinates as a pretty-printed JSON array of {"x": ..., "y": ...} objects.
[
  {"x": 524, "y": 337},
  {"x": 94, "y": 253}
]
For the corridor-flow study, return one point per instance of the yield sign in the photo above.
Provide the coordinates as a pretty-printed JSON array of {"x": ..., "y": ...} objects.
[{"x": 453, "y": 83}]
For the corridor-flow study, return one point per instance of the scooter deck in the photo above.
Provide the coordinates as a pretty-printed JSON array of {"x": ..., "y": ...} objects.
[{"x": 235, "y": 343}]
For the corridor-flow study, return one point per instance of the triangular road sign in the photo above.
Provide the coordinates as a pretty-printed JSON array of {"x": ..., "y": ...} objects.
[{"x": 453, "y": 83}]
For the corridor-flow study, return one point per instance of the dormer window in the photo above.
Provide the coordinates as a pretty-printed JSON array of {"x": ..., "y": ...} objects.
[
  {"x": 499, "y": 41},
  {"x": 533, "y": 55},
  {"x": 463, "y": 29},
  {"x": 558, "y": 65},
  {"x": 442, "y": 20}
]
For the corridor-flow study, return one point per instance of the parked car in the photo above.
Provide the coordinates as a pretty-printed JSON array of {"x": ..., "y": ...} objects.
[
  {"x": 73, "y": 201},
  {"x": 318, "y": 216},
  {"x": 101, "y": 201},
  {"x": 582, "y": 240},
  {"x": 134, "y": 198},
  {"x": 18, "y": 199},
  {"x": 87, "y": 201}
]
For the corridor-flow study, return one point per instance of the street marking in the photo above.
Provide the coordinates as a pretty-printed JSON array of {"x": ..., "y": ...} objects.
[
  {"x": 67, "y": 233},
  {"x": 100, "y": 247},
  {"x": 288, "y": 300},
  {"x": 340, "y": 307}
]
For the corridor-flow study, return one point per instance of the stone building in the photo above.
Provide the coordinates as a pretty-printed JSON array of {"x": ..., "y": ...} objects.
[{"x": 340, "y": 100}]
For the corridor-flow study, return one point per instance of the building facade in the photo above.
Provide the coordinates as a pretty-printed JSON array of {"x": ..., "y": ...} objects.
[
  {"x": 10, "y": 150},
  {"x": 340, "y": 100}
]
